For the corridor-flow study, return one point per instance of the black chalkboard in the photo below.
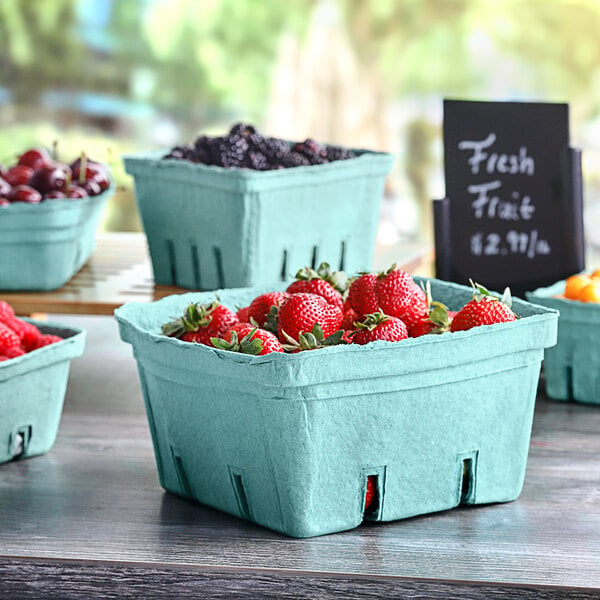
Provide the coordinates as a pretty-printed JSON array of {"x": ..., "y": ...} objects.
[{"x": 513, "y": 208}]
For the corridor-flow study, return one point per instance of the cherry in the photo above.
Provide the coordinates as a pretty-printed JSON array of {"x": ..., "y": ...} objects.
[
  {"x": 52, "y": 177},
  {"x": 36, "y": 158},
  {"x": 76, "y": 191},
  {"x": 54, "y": 194},
  {"x": 93, "y": 170},
  {"x": 24, "y": 193},
  {"x": 92, "y": 187},
  {"x": 5, "y": 187},
  {"x": 4, "y": 202},
  {"x": 19, "y": 175}
]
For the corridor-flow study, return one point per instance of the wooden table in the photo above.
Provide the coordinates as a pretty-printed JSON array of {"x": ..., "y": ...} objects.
[
  {"x": 89, "y": 520},
  {"x": 120, "y": 271}
]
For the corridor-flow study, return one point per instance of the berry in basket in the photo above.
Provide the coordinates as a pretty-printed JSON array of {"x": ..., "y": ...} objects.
[
  {"x": 323, "y": 308},
  {"x": 37, "y": 177},
  {"x": 245, "y": 147},
  {"x": 18, "y": 337}
]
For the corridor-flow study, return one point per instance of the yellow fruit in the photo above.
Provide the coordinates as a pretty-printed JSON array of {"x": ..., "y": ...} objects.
[
  {"x": 575, "y": 285},
  {"x": 590, "y": 293}
]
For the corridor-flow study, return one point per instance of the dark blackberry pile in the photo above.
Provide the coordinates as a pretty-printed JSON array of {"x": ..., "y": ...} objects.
[{"x": 246, "y": 148}]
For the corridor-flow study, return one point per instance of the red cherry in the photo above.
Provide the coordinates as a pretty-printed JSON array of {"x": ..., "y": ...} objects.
[
  {"x": 24, "y": 193},
  {"x": 36, "y": 158},
  {"x": 5, "y": 187},
  {"x": 76, "y": 191},
  {"x": 92, "y": 187},
  {"x": 54, "y": 195},
  {"x": 19, "y": 175},
  {"x": 50, "y": 178},
  {"x": 4, "y": 202},
  {"x": 94, "y": 170}
]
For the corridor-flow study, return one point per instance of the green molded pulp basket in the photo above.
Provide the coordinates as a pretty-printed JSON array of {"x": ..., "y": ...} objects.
[
  {"x": 288, "y": 440},
  {"x": 210, "y": 227},
  {"x": 43, "y": 245},
  {"x": 572, "y": 367},
  {"x": 32, "y": 391}
]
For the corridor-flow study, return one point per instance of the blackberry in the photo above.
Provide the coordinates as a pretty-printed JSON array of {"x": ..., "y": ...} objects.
[
  {"x": 181, "y": 153},
  {"x": 274, "y": 149},
  {"x": 338, "y": 153},
  {"x": 294, "y": 159},
  {"x": 257, "y": 161},
  {"x": 233, "y": 150},
  {"x": 242, "y": 129},
  {"x": 315, "y": 152}
]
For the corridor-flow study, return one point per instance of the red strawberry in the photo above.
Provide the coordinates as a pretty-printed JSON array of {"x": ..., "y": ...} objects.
[
  {"x": 247, "y": 339},
  {"x": 362, "y": 296},
  {"x": 349, "y": 317},
  {"x": 8, "y": 339},
  {"x": 378, "y": 326},
  {"x": 6, "y": 311},
  {"x": 322, "y": 282},
  {"x": 437, "y": 319},
  {"x": 3, "y": 358},
  {"x": 371, "y": 494},
  {"x": 243, "y": 314},
  {"x": 484, "y": 309},
  {"x": 399, "y": 296},
  {"x": 14, "y": 352},
  {"x": 201, "y": 322},
  {"x": 29, "y": 334},
  {"x": 299, "y": 313},
  {"x": 46, "y": 339},
  {"x": 260, "y": 307}
]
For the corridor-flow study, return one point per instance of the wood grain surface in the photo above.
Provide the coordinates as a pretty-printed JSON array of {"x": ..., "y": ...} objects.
[{"x": 91, "y": 512}]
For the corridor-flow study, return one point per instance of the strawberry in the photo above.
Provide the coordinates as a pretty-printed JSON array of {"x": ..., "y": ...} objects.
[
  {"x": 200, "y": 322},
  {"x": 322, "y": 282},
  {"x": 260, "y": 308},
  {"x": 243, "y": 314},
  {"x": 399, "y": 296},
  {"x": 483, "y": 309},
  {"x": 361, "y": 295},
  {"x": 314, "y": 339},
  {"x": 247, "y": 339},
  {"x": 3, "y": 358},
  {"x": 14, "y": 352},
  {"x": 8, "y": 339},
  {"x": 299, "y": 313},
  {"x": 29, "y": 334},
  {"x": 378, "y": 326},
  {"x": 6, "y": 311},
  {"x": 371, "y": 493},
  {"x": 48, "y": 338},
  {"x": 350, "y": 316},
  {"x": 437, "y": 319}
]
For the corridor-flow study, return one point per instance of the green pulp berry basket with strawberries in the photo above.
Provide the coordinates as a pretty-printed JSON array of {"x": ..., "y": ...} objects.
[
  {"x": 314, "y": 442},
  {"x": 32, "y": 391},
  {"x": 212, "y": 227},
  {"x": 572, "y": 367}
]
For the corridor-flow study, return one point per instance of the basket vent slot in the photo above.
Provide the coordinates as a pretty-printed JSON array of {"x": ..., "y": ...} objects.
[
  {"x": 569, "y": 380},
  {"x": 219, "y": 265},
  {"x": 467, "y": 480},
  {"x": 372, "y": 489},
  {"x": 342, "y": 255},
  {"x": 284, "y": 266},
  {"x": 313, "y": 260},
  {"x": 19, "y": 441},
  {"x": 184, "y": 482},
  {"x": 240, "y": 494},
  {"x": 172, "y": 261},
  {"x": 196, "y": 267}
]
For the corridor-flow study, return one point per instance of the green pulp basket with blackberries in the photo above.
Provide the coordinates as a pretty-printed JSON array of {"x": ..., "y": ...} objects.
[
  {"x": 214, "y": 227},
  {"x": 289, "y": 441}
]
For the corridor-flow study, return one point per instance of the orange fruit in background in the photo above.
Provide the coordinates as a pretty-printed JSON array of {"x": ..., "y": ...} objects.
[
  {"x": 596, "y": 274},
  {"x": 590, "y": 293},
  {"x": 575, "y": 284}
]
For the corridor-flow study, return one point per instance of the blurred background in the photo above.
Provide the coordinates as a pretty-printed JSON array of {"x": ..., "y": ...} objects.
[{"x": 113, "y": 76}]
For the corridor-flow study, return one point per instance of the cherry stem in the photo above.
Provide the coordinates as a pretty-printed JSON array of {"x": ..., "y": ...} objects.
[
  {"x": 82, "y": 168},
  {"x": 55, "y": 150}
]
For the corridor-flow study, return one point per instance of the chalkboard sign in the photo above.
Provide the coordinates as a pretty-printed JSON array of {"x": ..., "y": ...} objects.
[{"x": 513, "y": 208}]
